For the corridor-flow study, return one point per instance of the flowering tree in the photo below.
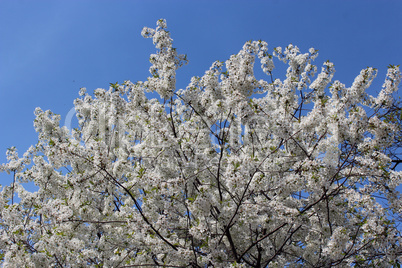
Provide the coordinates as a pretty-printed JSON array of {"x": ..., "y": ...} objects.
[{"x": 230, "y": 171}]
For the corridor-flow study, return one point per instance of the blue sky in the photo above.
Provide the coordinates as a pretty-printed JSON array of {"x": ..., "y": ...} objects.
[{"x": 50, "y": 49}]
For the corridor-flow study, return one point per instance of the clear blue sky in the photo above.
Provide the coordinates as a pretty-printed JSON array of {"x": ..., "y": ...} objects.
[{"x": 49, "y": 49}]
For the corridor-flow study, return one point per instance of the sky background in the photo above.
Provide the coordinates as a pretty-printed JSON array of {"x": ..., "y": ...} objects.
[{"x": 50, "y": 49}]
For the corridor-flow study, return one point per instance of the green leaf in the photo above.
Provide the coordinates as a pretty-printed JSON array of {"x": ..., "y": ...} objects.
[
  {"x": 115, "y": 85},
  {"x": 51, "y": 142}
]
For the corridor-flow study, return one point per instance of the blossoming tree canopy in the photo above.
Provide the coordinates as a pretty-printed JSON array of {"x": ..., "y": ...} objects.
[{"x": 230, "y": 171}]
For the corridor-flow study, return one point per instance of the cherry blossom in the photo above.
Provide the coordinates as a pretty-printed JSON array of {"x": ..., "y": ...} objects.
[{"x": 229, "y": 172}]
